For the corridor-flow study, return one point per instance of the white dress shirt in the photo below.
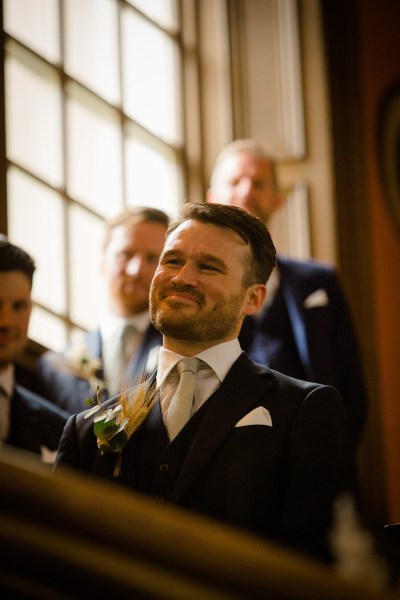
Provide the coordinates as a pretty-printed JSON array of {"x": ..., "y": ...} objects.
[{"x": 216, "y": 363}]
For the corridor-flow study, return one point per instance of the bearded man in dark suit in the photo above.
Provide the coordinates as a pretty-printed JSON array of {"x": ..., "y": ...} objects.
[
  {"x": 305, "y": 328},
  {"x": 245, "y": 445},
  {"x": 125, "y": 347},
  {"x": 27, "y": 421}
]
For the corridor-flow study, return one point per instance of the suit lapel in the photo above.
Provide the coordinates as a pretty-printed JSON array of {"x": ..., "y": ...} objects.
[
  {"x": 241, "y": 389},
  {"x": 153, "y": 420},
  {"x": 297, "y": 320},
  {"x": 93, "y": 342},
  {"x": 105, "y": 464}
]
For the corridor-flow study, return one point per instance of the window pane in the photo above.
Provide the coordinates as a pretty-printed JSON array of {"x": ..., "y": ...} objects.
[
  {"x": 164, "y": 12},
  {"x": 152, "y": 175},
  {"x": 33, "y": 115},
  {"x": 86, "y": 234},
  {"x": 91, "y": 45},
  {"x": 93, "y": 122},
  {"x": 35, "y": 218},
  {"x": 47, "y": 329},
  {"x": 35, "y": 24},
  {"x": 94, "y": 153},
  {"x": 151, "y": 81}
]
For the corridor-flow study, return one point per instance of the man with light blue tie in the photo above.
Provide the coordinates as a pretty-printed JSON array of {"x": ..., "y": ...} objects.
[
  {"x": 219, "y": 434},
  {"x": 125, "y": 346}
]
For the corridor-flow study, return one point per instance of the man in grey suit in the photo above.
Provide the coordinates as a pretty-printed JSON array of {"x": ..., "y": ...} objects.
[
  {"x": 126, "y": 344},
  {"x": 27, "y": 421},
  {"x": 305, "y": 328},
  {"x": 256, "y": 449}
]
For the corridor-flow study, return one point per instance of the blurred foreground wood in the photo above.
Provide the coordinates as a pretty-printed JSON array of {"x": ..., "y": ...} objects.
[{"x": 67, "y": 536}]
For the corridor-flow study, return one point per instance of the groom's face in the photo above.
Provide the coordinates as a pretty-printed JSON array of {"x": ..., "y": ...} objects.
[{"x": 197, "y": 293}]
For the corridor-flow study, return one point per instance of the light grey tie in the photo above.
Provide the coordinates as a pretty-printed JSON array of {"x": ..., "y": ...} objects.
[
  {"x": 119, "y": 358},
  {"x": 181, "y": 406}
]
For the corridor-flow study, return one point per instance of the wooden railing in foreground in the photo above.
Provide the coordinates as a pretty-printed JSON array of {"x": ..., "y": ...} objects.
[{"x": 70, "y": 537}]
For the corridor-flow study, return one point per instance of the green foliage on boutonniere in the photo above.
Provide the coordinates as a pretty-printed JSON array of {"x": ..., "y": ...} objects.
[{"x": 114, "y": 426}]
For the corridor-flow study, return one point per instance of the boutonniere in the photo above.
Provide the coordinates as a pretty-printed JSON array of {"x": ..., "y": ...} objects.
[
  {"x": 78, "y": 361},
  {"x": 114, "y": 425}
]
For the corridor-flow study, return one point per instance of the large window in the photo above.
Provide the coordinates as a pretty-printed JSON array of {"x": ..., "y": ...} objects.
[{"x": 94, "y": 121}]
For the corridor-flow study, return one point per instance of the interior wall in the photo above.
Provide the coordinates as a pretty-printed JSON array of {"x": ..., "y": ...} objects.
[
  {"x": 341, "y": 21},
  {"x": 262, "y": 76},
  {"x": 360, "y": 59},
  {"x": 379, "y": 25},
  {"x": 362, "y": 68}
]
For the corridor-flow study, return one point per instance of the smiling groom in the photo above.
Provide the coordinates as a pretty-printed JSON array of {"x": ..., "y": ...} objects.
[{"x": 259, "y": 450}]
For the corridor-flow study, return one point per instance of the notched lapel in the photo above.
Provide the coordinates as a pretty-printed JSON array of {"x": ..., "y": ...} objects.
[
  {"x": 84, "y": 391},
  {"x": 153, "y": 421},
  {"x": 239, "y": 392}
]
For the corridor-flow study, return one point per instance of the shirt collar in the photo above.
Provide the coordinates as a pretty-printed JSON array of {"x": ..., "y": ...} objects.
[{"x": 220, "y": 358}]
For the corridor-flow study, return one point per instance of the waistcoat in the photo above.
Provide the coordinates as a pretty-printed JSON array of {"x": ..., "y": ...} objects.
[{"x": 157, "y": 461}]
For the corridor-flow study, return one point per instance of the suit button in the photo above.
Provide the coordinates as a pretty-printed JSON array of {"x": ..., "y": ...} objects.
[
  {"x": 160, "y": 499},
  {"x": 163, "y": 467}
]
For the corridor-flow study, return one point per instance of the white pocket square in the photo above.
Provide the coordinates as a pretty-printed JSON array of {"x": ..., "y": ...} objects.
[
  {"x": 317, "y": 298},
  {"x": 258, "y": 416}
]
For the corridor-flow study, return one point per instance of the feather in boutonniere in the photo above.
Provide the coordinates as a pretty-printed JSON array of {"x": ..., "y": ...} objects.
[{"x": 114, "y": 425}]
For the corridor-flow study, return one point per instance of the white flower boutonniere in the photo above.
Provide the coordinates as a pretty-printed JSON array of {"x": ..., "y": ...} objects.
[
  {"x": 78, "y": 361},
  {"x": 114, "y": 426}
]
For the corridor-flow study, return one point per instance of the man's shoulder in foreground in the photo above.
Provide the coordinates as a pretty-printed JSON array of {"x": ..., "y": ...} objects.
[{"x": 36, "y": 422}]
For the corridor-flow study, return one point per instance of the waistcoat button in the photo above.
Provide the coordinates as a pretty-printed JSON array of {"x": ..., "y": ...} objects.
[{"x": 163, "y": 467}]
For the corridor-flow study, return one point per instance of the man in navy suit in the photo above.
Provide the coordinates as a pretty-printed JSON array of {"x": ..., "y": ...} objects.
[
  {"x": 305, "y": 328},
  {"x": 126, "y": 345},
  {"x": 256, "y": 449},
  {"x": 27, "y": 421}
]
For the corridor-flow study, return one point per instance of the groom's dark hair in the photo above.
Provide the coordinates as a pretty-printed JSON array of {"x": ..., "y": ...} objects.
[{"x": 253, "y": 232}]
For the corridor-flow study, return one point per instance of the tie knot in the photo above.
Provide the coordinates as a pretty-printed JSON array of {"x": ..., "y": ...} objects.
[{"x": 188, "y": 364}]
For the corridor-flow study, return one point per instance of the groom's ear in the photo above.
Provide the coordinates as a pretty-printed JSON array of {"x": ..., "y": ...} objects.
[{"x": 255, "y": 297}]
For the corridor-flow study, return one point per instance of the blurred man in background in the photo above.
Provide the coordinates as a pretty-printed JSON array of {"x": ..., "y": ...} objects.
[
  {"x": 125, "y": 347},
  {"x": 305, "y": 328}
]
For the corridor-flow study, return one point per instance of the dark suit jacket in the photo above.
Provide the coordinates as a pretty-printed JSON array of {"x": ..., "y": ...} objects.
[
  {"x": 70, "y": 392},
  {"x": 279, "y": 482},
  {"x": 35, "y": 422},
  {"x": 324, "y": 336}
]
